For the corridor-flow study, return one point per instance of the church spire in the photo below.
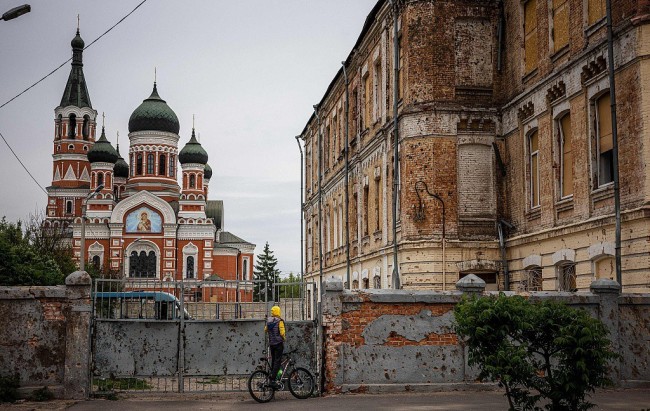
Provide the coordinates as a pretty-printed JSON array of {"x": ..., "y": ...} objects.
[{"x": 76, "y": 92}]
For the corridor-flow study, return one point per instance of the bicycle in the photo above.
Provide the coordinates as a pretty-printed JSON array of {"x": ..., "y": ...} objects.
[{"x": 299, "y": 380}]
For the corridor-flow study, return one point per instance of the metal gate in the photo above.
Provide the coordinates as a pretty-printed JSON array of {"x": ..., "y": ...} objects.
[{"x": 153, "y": 336}]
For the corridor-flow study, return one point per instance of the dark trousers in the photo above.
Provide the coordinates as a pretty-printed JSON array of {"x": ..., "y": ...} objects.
[{"x": 276, "y": 358}]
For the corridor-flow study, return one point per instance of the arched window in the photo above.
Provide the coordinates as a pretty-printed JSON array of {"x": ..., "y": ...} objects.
[
  {"x": 162, "y": 165},
  {"x": 116, "y": 193},
  {"x": 192, "y": 181},
  {"x": 532, "y": 280},
  {"x": 366, "y": 283},
  {"x": 59, "y": 131},
  {"x": 68, "y": 207},
  {"x": 142, "y": 265},
  {"x": 566, "y": 277},
  {"x": 96, "y": 262},
  {"x": 244, "y": 270},
  {"x": 172, "y": 171},
  {"x": 150, "y": 164},
  {"x": 100, "y": 179},
  {"x": 85, "y": 130},
  {"x": 376, "y": 282},
  {"x": 139, "y": 165},
  {"x": 190, "y": 267},
  {"x": 355, "y": 284},
  {"x": 72, "y": 126}
]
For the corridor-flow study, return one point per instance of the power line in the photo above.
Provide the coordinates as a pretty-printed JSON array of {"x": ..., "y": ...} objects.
[
  {"x": 65, "y": 62},
  {"x": 21, "y": 163},
  {"x": 48, "y": 75}
]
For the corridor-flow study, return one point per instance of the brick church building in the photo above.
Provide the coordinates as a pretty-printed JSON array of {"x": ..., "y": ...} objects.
[{"x": 141, "y": 224}]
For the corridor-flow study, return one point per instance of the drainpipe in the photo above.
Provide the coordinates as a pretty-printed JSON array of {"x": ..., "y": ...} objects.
[
  {"x": 396, "y": 281},
  {"x": 302, "y": 238},
  {"x": 612, "y": 94},
  {"x": 320, "y": 203},
  {"x": 347, "y": 165}
]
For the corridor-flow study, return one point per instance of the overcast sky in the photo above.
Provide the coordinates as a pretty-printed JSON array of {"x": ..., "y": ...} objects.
[{"x": 250, "y": 70}]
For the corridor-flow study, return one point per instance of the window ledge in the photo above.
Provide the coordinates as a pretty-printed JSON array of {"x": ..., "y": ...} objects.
[
  {"x": 603, "y": 193},
  {"x": 377, "y": 235},
  {"x": 365, "y": 240},
  {"x": 534, "y": 213},
  {"x": 560, "y": 53},
  {"x": 596, "y": 26},
  {"x": 564, "y": 204},
  {"x": 528, "y": 76}
]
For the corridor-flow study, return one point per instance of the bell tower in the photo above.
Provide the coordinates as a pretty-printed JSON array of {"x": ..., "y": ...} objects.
[{"x": 74, "y": 136}]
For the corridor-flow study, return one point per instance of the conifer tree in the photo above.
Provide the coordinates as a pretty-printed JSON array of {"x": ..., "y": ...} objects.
[{"x": 264, "y": 270}]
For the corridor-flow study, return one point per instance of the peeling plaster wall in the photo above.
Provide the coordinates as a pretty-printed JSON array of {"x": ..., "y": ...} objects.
[{"x": 405, "y": 339}]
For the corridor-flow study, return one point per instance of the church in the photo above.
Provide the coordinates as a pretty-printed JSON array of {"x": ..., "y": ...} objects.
[{"x": 140, "y": 222}]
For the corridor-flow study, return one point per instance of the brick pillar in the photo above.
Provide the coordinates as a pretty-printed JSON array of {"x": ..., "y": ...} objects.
[
  {"x": 331, "y": 309},
  {"x": 471, "y": 285},
  {"x": 76, "y": 382},
  {"x": 609, "y": 292}
]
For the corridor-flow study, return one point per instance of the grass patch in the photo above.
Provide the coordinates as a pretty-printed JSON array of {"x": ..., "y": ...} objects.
[
  {"x": 211, "y": 380},
  {"x": 121, "y": 384}
]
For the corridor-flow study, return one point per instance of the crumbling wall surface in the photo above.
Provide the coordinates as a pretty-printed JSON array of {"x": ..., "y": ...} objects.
[
  {"x": 398, "y": 338},
  {"x": 379, "y": 340},
  {"x": 634, "y": 338},
  {"x": 33, "y": 334}
]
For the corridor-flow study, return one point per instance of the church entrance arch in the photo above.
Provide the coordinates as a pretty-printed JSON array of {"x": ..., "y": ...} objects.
[{"x": 142, "y": 260}]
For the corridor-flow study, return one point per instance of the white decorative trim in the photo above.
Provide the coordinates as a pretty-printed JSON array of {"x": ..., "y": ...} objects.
[
  {"x": 78, "y": 111},
  {"x": 563, "y": 255},
  {"x": 96, "y": 249},
  {"x": 532, "y": 260},
  {"x": 196, "y": 232},
  {"x": 69, "y": 156},
  {"x": 143, "y": 197},
  {"x": 599, "y": 250},
  {"x": 355, "y": 275},
  {"x": 191, "y": 250},
  {"x": 153, "y": 137}
]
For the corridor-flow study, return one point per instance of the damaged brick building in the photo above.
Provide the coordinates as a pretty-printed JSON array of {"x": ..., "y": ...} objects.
[{"x": 505, "y": 141}]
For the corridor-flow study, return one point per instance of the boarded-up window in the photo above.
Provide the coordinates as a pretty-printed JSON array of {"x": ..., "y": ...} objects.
[
  {"x": 377, "y": 90},
  {"x": 566, "y": 160},
  {"x": 533, "y": 149},
  {"x": 400, "y": 70},
  {"x": 473, "y": 49},
  {"x": 560, "y": 28},
  {"x": 604, "y": 140},
  {"x": 530, "y": 34},
  {"x": 366, "y": 210},
  {"x": 596, "y": 10},
  {"x": 605, "y": 268},
  {"x": 476, "y": 192},
  {"x": 367, "y": 118}
]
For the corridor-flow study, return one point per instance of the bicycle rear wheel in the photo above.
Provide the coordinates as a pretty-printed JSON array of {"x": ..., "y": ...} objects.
[
  {"x": 259, "y": 387},
  {"x": 301, "y": 383}
]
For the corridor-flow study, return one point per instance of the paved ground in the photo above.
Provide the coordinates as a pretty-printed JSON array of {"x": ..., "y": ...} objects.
[{"x": 625, "y": 400}]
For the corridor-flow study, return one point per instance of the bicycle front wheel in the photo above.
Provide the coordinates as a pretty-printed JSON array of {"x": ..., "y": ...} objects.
[
  {"x": 301, "y": 383},
  {"x": 259, "y": 387}
]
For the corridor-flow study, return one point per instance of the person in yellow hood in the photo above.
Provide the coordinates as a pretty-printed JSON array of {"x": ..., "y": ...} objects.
[{"x": 275, "y": 329}]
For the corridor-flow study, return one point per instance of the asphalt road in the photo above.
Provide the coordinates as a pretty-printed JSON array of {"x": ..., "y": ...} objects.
[{"x": 627, "y": 400}]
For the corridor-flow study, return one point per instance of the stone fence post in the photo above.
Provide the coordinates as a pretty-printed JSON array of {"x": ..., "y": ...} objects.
[
  {"x": 331, "y": 309},
  {"x": 471, "y": 285},
  {"x": 608, "y": 292},
  {"x": 76, "y": 380}
]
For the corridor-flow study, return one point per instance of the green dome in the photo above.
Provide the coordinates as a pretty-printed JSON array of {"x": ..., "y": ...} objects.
[
  {"x": 207, "y": 171},
  {"x": 102, "y": 151},
  {"x": 121, "y": 169},
  {"x": 154, "y": 115},
  {"x": 193, "y": 152}
]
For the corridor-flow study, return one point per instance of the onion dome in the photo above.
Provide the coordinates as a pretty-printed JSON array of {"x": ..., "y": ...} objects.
[
  {"x": 77, "y": 42},
  {"x": 207, "y": 171},
  {"x": 193, "y": 152},
  {"x": 102, "y": 151},
  {"x": 121, "y": 169},
  {"x": 154, "y": 115}
]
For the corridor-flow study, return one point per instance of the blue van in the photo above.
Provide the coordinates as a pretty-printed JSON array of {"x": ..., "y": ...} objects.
[{"x": 146, "y": 305}]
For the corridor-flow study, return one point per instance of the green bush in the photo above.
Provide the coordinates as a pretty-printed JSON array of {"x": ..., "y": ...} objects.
[
  {"x": 9, "y": 388},
  {"x": 540, "y": 352},
  {"x": 42, "y": 394}
]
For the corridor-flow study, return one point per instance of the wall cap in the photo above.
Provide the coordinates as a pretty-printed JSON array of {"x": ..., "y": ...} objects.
[
  {"x": 78, "y": 278},
  {"x": 605, "y": 286},
  {"x": 471, "y": 284},
  {"x": 334, "y": 284}
]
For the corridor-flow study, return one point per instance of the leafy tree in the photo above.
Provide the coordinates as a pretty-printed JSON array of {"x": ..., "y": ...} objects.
[
  {"x": 264, "y": 270},
  {"x": 54, "y": 241},
  {"x": 541, "y": 351},
  {"x": 23, "y": 264},
  {"x": 289, "y": 287}
]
